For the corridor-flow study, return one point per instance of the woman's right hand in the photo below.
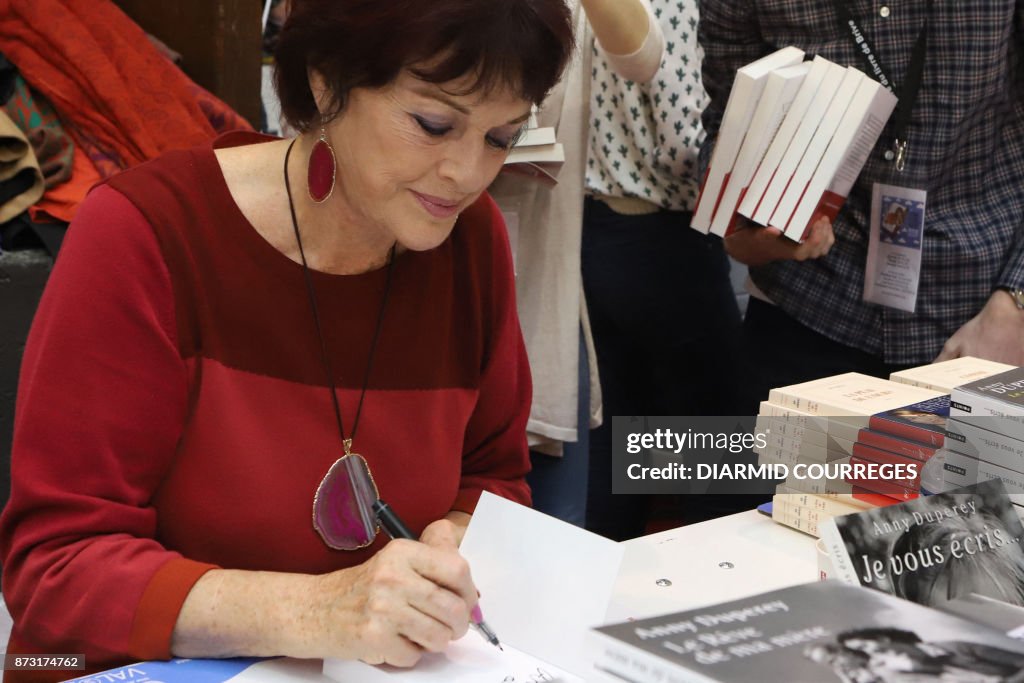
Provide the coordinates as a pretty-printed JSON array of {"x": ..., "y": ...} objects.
[
  {"x": 754, "y": 245},
  {"x": 408, "y": 599}
]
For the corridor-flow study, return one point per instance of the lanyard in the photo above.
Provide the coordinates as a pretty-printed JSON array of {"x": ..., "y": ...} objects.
[{"x": 912, "y": 82}]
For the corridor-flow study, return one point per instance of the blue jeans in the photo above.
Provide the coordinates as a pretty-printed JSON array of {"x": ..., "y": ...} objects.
[{"x": 559, "y": 485}]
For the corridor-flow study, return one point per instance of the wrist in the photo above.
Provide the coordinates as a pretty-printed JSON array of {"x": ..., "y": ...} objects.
[
  {"x": 1015, "y": 294},
  {"x": 238, "y": 613},
  {"x": 1004, "y": 303}
]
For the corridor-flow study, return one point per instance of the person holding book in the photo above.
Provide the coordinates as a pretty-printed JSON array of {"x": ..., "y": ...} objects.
[
  {"x": 548, "y": 223},
  {"x": 226, "y": 322},
  {"x": 661, "y": 303},
  {"x": 957, "y": 135}
]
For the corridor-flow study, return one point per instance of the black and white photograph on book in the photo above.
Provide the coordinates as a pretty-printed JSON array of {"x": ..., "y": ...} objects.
[
  {"x": 511, "y": 341},
  {"x": 815, "y": 633},
  {"x": 935, "y": 548}
]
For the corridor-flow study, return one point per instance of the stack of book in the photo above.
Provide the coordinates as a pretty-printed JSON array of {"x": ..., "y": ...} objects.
[
  {"x": 949, "y": 374},
  {"x": 806, "y": 511},
  {"x": 825, "y": 631},
  {"x": 985, "y": 433},
  {"x": 822, "y": 422},
  {"x": 928, "y": 590},
  {"x": 934, "y": 548},
  {"x": 537, "y": 154},
  {"x": 979, "y": 437},
  {"x": 794, "y": 137},
  {"x": 908, "y": 435}
]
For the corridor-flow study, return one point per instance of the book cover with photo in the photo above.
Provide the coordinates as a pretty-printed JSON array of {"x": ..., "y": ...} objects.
[
  {"x": 993, "y": 613},
  {"x": 923, "y": 422},
  {"x": 811, "y": 633},
  {"x": 184, "y": 671},
  {"x": 895, "y": 444},
  {"x": 934, "y": 548}
]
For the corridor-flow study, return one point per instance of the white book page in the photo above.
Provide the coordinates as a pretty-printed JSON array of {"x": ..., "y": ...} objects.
[
  {"x": 781, "y": 87},
  {"x": 739, "y": 108},
  {"x": 846, "y": 154},
  {"x": 816, "y": 149},
  {"x": 834, "y": 75},
  {"x": 780, "y": 143},
  {"x": 470, "y": 659},
  {"x": 543, "y": 582}
]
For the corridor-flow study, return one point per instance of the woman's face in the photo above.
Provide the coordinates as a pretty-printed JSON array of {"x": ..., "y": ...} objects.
[{"x": 411, "y": 156}]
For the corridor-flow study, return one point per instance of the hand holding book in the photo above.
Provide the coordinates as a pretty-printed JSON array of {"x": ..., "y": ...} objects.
[{"x": 754, "y": 245}]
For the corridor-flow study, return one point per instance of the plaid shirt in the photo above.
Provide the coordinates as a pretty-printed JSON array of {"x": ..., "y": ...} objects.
[{"x": 966, "y": 148}]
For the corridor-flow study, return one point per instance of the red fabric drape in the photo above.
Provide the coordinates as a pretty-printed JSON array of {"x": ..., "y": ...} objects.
[{"x": 123, "y": 101}]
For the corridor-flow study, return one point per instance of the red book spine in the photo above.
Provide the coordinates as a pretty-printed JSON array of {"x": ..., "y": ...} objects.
[
  {"x": 875, "y": 499},
  {"x": 861, "y": 493},
  {"x": 888, "y": 486},
  {"x": 906, "y": 431},
  {"x": 888, "y": 442},
  {"x": 721, "y": 193},
  {"x": 761, "y": 198},
  {"x": 828, "y": 206},
  {"x": 734, "y": 222}
]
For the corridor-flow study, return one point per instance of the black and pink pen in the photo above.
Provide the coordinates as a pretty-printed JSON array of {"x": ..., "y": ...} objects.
[{"x": 396, "y": 528}]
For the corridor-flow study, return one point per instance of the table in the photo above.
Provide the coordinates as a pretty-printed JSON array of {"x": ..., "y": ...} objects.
[{"x": 722, "y": 559}]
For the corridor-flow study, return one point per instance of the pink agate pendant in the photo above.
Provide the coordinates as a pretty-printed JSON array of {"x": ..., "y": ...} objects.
[{"x": 343, "y": 504}]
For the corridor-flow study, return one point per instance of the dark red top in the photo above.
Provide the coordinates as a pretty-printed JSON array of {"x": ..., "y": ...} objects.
[{"x": 173, "y": 416}]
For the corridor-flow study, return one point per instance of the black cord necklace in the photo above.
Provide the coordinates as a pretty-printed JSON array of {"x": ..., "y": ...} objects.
[{"x": 328, "y": 373}]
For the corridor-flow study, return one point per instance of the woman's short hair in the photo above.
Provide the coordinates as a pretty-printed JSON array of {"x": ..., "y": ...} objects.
[{"x": 519, "y": 44}]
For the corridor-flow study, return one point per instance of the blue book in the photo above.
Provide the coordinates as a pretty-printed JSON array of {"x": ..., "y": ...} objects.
[{"x": 176, "y": 671}]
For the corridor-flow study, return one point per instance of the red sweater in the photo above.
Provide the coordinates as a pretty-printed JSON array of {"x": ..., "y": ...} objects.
[{"x": 172, "y": 414}]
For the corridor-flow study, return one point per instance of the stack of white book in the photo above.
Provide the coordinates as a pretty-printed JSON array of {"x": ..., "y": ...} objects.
[
  {"x": 537, "y": 154},
  {"x": 946, "y": 375},
  {"x": 821, "y": 422},
  {"x": 985, "y": 432},
  {"x": 794, "y": 137}
]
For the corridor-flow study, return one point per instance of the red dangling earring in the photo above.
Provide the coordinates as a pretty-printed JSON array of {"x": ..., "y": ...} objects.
[{"x": 322, "y": 169}]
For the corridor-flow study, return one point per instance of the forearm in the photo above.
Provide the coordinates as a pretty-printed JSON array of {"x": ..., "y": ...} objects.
[
  {"x": 234, "y": 613},
  {"x": 621, "y": 26},
  {"x": 410, "y": 597}
]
